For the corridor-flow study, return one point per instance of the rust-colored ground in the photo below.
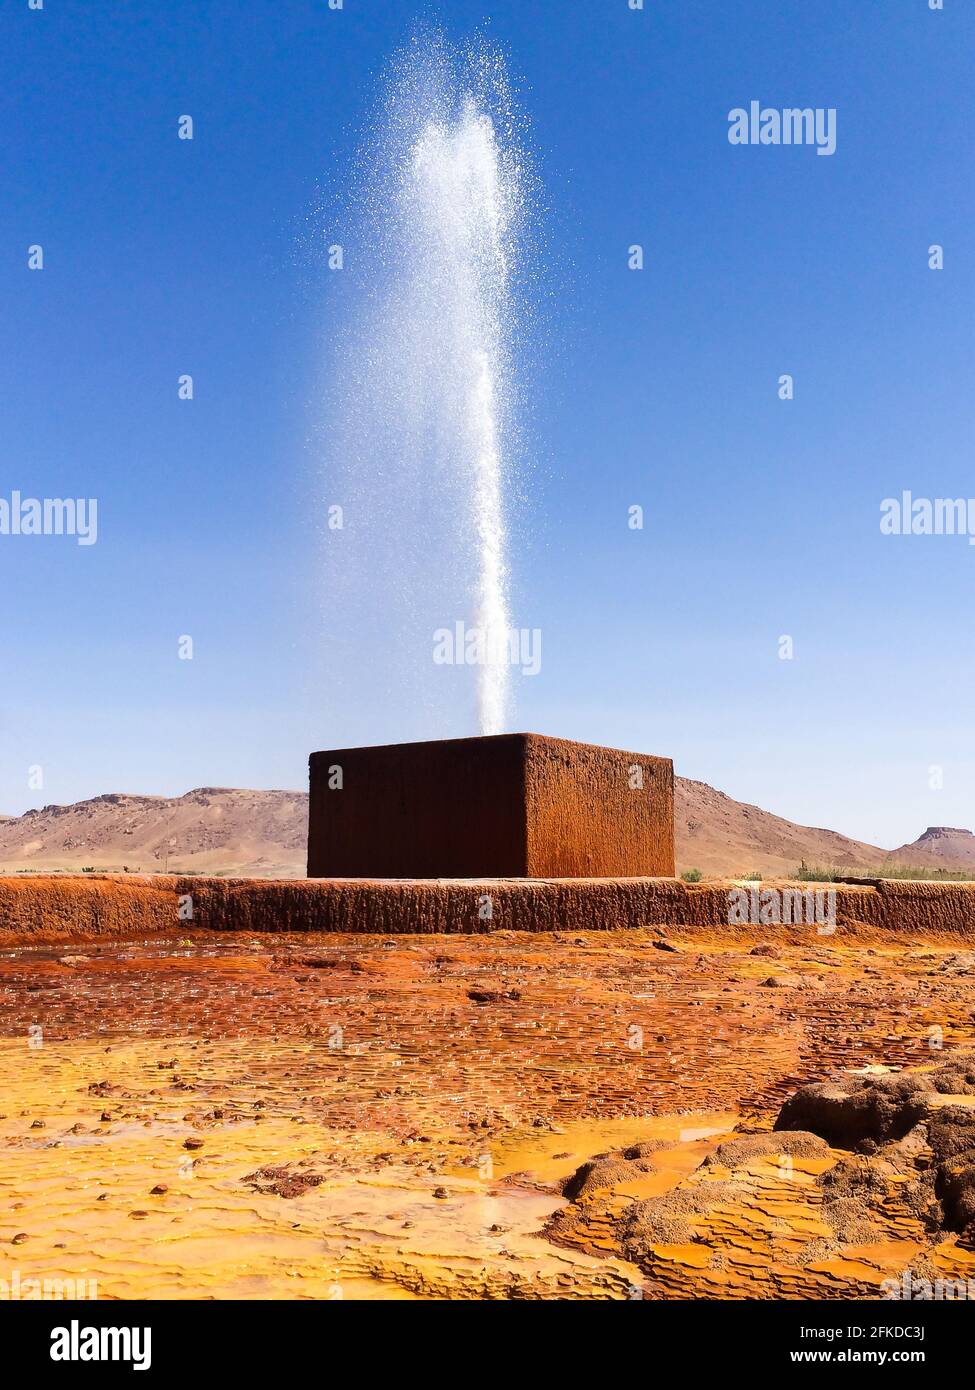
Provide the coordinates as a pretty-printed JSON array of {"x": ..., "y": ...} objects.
[{"x": 395, "y": 1116}]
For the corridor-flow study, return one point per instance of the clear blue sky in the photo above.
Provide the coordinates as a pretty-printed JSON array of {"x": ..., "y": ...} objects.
[{"x": 659, "y": 388}]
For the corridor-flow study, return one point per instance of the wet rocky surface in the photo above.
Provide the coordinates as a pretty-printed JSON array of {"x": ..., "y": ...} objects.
[{"x": 257, "y": 1115}]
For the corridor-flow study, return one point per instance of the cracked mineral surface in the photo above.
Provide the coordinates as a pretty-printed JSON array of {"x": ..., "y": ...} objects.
[{"x": 511, "y": 1115}]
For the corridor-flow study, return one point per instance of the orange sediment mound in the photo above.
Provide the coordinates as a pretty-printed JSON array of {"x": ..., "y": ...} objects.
[
  {"x": 783, "y": 1215},
  {"x": 60, "y": 906},
  {"x": 63, "y": 906}
]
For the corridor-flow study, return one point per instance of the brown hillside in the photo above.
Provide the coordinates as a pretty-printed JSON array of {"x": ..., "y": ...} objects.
[
  {"x": 218, "y": 830},
  {"x": 940, "y": 847},
  {"x": 720, "y": 836},
  {"x": 209, "y": 830}
]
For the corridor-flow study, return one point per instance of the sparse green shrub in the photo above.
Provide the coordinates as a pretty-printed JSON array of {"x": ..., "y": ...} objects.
[{"x": 812, "y": 873}]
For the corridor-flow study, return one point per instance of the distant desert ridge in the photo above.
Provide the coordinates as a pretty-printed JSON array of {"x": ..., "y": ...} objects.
[{"x": 261, "y": 834}]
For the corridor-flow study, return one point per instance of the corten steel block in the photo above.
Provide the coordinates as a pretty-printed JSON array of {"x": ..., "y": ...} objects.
[{"x": 507, "y": 806}]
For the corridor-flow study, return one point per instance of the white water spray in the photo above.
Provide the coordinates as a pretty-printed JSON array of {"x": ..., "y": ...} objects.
[{"x": 425, "y": 423}]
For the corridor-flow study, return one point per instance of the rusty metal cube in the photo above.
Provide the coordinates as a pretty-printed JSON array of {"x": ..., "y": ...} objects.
[{"x": 505, "y": 806}]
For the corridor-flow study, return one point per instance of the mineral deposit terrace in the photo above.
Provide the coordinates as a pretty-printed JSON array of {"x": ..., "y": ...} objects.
[{"x": 245, "y": 1105}]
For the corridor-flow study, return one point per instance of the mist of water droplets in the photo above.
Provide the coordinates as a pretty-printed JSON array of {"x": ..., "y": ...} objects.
[{"x": 423, "y": 421}]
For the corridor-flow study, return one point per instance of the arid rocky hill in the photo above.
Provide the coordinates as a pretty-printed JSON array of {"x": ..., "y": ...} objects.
[
  {"x": 209, "y": 830},
  {"x": 940, "y": 847},
  {"x": 720, "y": 836},
  {"x": 219, "y": 830}
]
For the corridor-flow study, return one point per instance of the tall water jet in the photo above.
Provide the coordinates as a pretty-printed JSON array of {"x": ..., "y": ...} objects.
[{"x": 422, "y": 429}]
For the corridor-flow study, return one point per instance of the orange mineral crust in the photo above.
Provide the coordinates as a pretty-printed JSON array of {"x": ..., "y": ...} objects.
[
  {"x": 59, "y": 907},
  {"x": 563, "y": 1114}
]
